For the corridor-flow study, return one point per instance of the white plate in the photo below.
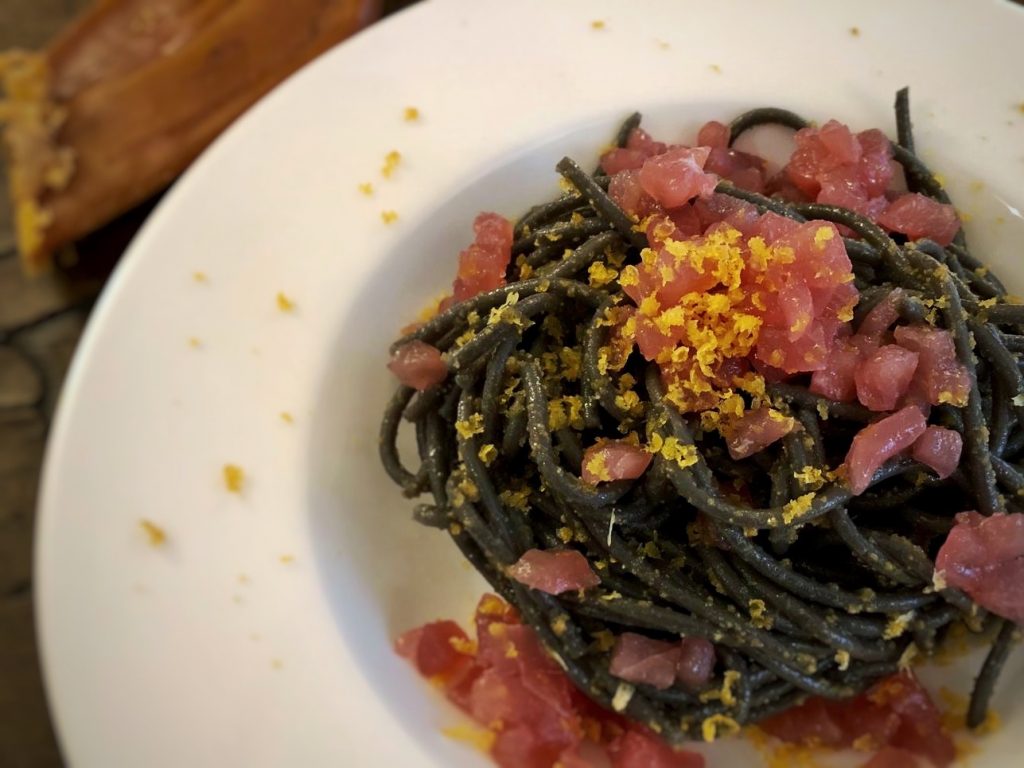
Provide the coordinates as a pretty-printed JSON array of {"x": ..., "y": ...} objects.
[{"x": 211, "y": 651}]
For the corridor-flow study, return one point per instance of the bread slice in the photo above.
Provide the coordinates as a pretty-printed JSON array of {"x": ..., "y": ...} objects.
[{"x": 128, "y": 95}]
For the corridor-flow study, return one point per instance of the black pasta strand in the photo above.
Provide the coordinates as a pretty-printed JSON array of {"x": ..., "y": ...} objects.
[
  {"x": 904, "y": 129},
  {"x": 985, "y": 684},
  {"x": 604, "y": 205},
  {"x": 764, "y": 116}
]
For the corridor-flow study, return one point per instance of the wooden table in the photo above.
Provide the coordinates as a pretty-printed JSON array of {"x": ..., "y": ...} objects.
[{"x": 40, "y": 323}]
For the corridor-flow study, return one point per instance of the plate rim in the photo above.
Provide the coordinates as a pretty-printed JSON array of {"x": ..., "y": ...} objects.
[{"x": 93, "y": 335}]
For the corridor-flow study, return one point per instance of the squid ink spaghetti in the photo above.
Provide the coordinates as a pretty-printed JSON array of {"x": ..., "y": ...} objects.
[{"x": 728, "y": 442}]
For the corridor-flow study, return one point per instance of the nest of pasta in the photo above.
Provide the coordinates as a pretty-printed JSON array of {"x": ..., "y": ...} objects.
[{"x": 779, "y": 417}]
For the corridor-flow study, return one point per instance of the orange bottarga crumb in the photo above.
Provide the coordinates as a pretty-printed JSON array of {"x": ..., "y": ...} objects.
[
  {"x": 154, "y": 533},
  {"x": 234, "y": 477}
]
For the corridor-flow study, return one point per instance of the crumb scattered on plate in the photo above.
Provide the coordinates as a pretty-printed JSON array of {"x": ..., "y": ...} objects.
[
  {"x": 200, "y": 277},
  {"x": 234, "y": 477},
  {"x": 194, "y": 342},
  {"x": 287, "y": 559},
  {"x": 156, "y": 535},
  {"x": 716, "y": 69},
  {"x": 366, "y": 188},
  {"x": 284, "y": 303},
  {"x": 855, "y": 31},
  {"x": 244, "y": 579},
  {"x": 391, "y": 161},
  {"x": 410, "y": 114},
  {"x": 478, "y": 738},
  {"x": 389, "y": 217},
  {"x": 276, "y": 663},
  {"x": 287, "y": 418},
  {"x": 597, "y": 24}
]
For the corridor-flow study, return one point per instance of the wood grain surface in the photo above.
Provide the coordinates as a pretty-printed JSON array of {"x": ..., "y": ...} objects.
[{"x": 40, "y": 322}]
